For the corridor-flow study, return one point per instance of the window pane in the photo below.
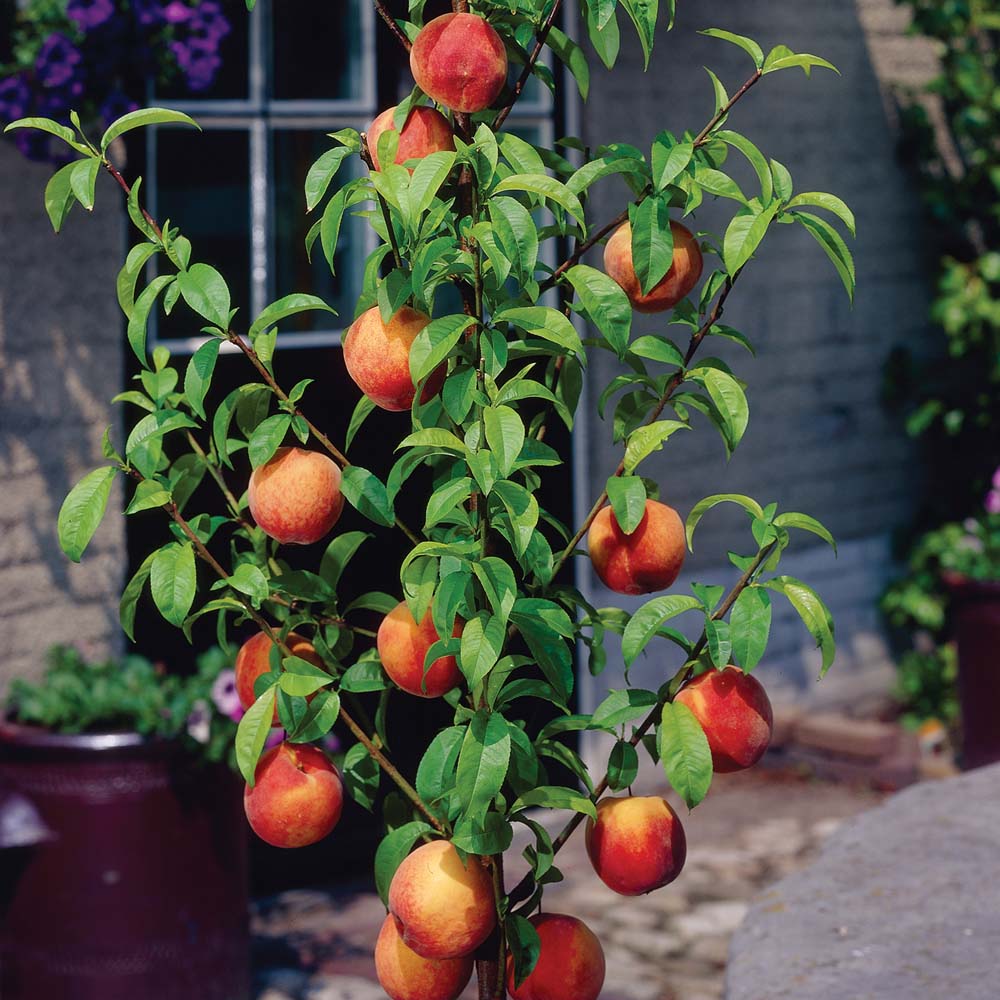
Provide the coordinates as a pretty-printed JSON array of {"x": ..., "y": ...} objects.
[
  {"x": 210, "y": 206},
  {"x": 294, "y": 152},
  {"x": 230, "y": 80},
  {"x": 319, "y": 51}
]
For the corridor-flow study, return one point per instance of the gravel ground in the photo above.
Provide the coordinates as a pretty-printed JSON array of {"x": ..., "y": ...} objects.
[{"x": 753, "y": 828}]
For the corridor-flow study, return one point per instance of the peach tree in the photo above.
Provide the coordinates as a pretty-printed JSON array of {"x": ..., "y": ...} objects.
[{"x": 485, "y": 614}]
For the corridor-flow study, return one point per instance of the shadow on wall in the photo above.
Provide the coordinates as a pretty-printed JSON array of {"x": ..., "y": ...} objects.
[{"x": 60, "y": 361}]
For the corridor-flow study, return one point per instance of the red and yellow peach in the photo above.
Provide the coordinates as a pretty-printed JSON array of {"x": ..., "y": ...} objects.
[
  {"x": 425, "y": 131},
  {"x": 570, "y": 965},
  {"x": 402, "y": 648},
  {"x": 405, "y": 975}
]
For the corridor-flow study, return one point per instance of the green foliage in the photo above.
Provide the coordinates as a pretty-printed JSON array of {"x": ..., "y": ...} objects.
[
  {"x": 489, "y": 554},
  {"x": 950, "y": 400},
  {"x": 131, "y": 695}
]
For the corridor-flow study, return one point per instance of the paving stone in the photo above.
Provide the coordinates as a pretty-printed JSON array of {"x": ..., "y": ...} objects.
[
  {"x": 900, "y": 904},
  {"x": 834, "y": 733},
  {"x": 345, "y": 988},
  {"x": 711, "y": 918},
  {"x": 648, "y": 943}
]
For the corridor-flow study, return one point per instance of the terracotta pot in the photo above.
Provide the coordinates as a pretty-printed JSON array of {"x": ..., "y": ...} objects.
[
  {"x": 142, "y": 892},
  {"x": 975, "y": 610}
]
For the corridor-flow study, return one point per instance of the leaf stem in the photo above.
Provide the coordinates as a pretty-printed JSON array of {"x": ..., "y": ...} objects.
[{"x": 390, "y": 22}]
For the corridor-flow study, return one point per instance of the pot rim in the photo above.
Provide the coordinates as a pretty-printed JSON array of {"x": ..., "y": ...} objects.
[{"x": 17, "y": 734}]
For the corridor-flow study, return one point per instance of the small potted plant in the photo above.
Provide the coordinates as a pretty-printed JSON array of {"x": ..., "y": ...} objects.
[
  {"x": 952, "y": 591},
  {"x": 142, "y": 889}
]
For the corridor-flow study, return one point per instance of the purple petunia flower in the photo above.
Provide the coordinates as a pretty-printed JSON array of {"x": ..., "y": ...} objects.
[
  {"x": 198, "y": 66},
  {"x": 32, "y": 145},
  {"x": 992, "y": 502},
  {"x": 177, "y": 12},
  {"x": 15, "y": 98},
  {"x": 57, "y": 61},
  {"x": 199, "y": 722},
  {"x": 115, "y": 105},
  {"x": 89, "y": 13},
  {"x": 996, "y": 479},
  {"x": 224, "y": 694},
  {"x": 274, "y": 737}
]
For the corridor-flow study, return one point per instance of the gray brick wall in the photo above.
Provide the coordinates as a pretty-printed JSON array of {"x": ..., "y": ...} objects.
[
  {"x": 818, "y": 439},
  {"x": 60, "y": 362}
]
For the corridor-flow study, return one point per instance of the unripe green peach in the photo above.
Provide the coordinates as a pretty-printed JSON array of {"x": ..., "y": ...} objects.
[
  {"x": 675, "y": 284},
  {"x": 443, "y": 908},
  {"x": 402, "y": 647},
  {"x": 735, "y": 712},
  {"x": 295, "y": 496},
  {"x": 405, "y": 975},
  {"x": 296, "y": 798},
  {"x": 647, "y": 560},
  {"x": 377, "y": 356},
  {"x": 425, "y": 131},
  {"x": 637, "y": 844},
  {"x": 460, "y": 61}
]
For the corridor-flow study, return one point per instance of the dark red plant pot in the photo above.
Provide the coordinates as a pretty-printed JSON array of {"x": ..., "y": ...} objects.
[
  {"x": 142, "y": 893},
  {"x": 976, "y": 625}
]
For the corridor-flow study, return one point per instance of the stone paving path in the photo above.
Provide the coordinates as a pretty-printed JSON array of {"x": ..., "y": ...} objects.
[{"x": 753, "y": 828}]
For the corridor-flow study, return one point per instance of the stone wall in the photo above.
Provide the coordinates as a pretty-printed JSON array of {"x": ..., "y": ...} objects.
[
  {"x": 60, "y": 362},
  {"x": 819, "y": 440}
]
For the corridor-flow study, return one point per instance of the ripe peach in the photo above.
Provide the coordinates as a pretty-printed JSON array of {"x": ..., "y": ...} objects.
[
  {"x": 570, "y": 965},
  {"x": 377, "y": 356},
  {"x": 637, "y": 844},
  {"x": 425, "y": 131},
  {"x": 675, "y": 284},
  {"x": 402, "y": 646},
  {"x": 296, "y": 798},
  {"x": 405, "y": 975},
  {"x": 295, "y": 496},
  {"x": 460, "y": 61},
  {"x": 443, "y": 909},
  {"x": 254, "y": 659},
  {"x": 734, "y": 710},
  {"x": 649, "y": 559}
]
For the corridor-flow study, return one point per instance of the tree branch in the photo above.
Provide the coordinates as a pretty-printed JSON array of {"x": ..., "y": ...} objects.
[
  {"x": 522, "y": 80},
  {"x": 391, "y": 24}
]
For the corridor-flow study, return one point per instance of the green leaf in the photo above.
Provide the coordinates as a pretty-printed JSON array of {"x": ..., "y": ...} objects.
[
  {"x": 140, "y": 314},
  {"x": 131, "y": 595},
  {"x": 748, "y": 45},
  {"x": 814, "y": 614},
  {"x": 606, "y": 305},
  {"x": 547, "y": 187},
  {"x": 434, "y": 343},
  {"x": 544, "y": 322},
  {"x": 392, "y": 850},
  {"x": 365, "y": 492},
  {"x": 684, "y": 752},
  {"x": 744, "y": 235},
  {"x": 434, "y": 437},
  {"x": 147, "y": 431},
  {"x": 482, "y": 643},
  {"x": 362, "y": 410},
  {"x": 198, "y": 375},
  {"x": 555, "y": 797},
  {"x": 59, "y": 196},
  {"x": 517, "y": 235},
  {"x": 669, "y": 162},
  {"x": 148, "y": 494},
  {"x": 321, "y": 173},
  {"x": 505, "y": 435},
  {"x": 338, "y": 554},
  {"x": 623, "y": 766},
  {"x": 436, "y": 773},
  {"x": 806, "y": 523},
  {"x": 428, "y": 176},
  {"x": 643, "y": 14},
  {"x": 730, "y": 401},
  {"x": 833, "y": 245},
  {"x": 643, "y": 441},
  {"x": 830, "y": 202},
  {"x": 716, "y": 182},
  {"x": 525, "y": 946},
  {"x": 206, "y": 292},
  {"x": 720, "y": 646},
  {"x": 82, "y": 511},
  {"x": 652, "y": 242},
  {"x": 141, "y": 118},
  {"x": 361, "y": 773},
  {"x": 364, "y": 676},
  {"x": 781, "y": 57},
  {"x": 628, "y": 500},
  {"x": 52, "y": 128},
  {"x": 290, "y": 305},
  {"x": 249, "y": 580},
  {"x": 267, "y": 438},
  {"x": 490, "y": 835},
  {"x": 645, "y": 623},
  {"x": 173, "y": 581},
  {"x": 445, "y": 499},
  {"x": 622, "y": 706},
  {"x": 483, "y": 761},
  {"x": 703, "y": 506},
  {"x": 750, "y": 625},
  {"x": 252, "y": 732},
  {"x": 604, "y": 36}
]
